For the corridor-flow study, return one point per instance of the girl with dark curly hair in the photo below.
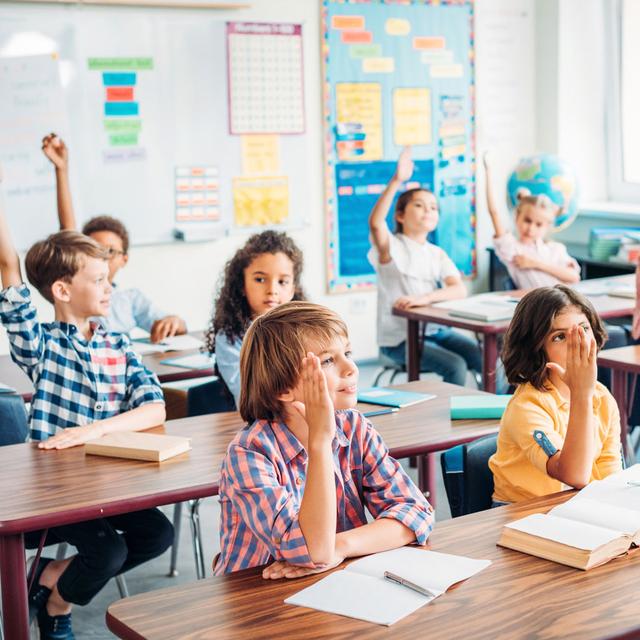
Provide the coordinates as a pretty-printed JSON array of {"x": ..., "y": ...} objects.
[{"x": 263, "y": 274}]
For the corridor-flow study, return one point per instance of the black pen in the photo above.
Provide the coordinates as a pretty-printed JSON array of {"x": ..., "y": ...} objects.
[{"x": 379, "y": 412}]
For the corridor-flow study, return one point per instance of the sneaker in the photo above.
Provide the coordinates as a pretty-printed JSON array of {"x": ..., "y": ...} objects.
[
  {"x": 39, "y": 594},
  {"x": 55, "y": 627}
]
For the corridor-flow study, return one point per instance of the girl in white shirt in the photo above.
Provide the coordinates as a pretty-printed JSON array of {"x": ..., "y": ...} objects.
[
  {"x": 532, "y": 261},
  {"x": 412, "y": 272}
]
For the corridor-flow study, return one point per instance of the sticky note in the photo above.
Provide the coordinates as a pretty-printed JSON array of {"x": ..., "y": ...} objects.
[
  {"x": 347, "y": 22},
  {"x": 411, "y": 116},
  {"x": 429, "y": 42},
  {"x": 446, "y": 71},
  {"x": 397, "y": 27},
  {"x": 378, "y": 65}
]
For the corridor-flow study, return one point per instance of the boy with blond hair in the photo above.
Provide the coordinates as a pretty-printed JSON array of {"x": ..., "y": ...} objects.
[
  {"x": 87, "y": 383},
  {"x": 130, "y": 308},
  {"x": 297, "y": 479}
]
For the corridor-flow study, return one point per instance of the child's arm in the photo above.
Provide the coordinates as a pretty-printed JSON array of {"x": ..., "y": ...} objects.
[
  {"x": 228, "y": 364},
  {"x": 453, "y": 289},
  {"x": 55, "y": 149},
  {"x": 573, "y": 463},
  {"x": 498, "y": 227},
  {"x": 377, "y": 220},
  {"x": 565, "y": 273},
  {"x": 9, "y": 261},
  {"x": 167, "y": 327},
  {"x": 138, "y": 419}
]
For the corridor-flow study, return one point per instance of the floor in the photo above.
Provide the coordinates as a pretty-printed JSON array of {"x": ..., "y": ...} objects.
[{"x": 88, "y": 621}]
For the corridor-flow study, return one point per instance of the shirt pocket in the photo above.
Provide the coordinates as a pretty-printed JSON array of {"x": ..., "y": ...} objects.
[{"x": 111, "y": 383}]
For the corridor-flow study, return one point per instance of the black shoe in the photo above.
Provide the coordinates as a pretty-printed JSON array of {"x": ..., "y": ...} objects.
[
  {"x": 55, "y": 627},
  {"x": 38, "y": 594}
]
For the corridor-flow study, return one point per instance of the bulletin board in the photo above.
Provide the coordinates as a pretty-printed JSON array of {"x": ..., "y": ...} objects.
[
  {"x": 397, "y": 74},
  {"x": 176, "y": 119}
]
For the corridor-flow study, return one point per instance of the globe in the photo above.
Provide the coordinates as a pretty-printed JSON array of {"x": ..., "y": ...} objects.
[{"x": 549, "y": 175}]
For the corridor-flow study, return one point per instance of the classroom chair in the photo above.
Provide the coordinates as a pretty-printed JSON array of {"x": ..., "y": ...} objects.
[
  {"x": 468, "y": 480},
  {"x": 203, "y": 399}
]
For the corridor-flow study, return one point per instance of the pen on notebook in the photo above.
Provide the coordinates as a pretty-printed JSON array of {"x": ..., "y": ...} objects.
[
  {"x": 379, "y": 412},
  {"x": 392, "y": 577}
]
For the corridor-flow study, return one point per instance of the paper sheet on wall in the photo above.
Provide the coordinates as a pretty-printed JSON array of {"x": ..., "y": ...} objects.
[
  {"x": 31, "y": 105},
  {"x": 260, "y": 155},
  {"x": 411, "y": 116},
  {"x": 359, "y": 120},
  {"x": 260, "y": 201}
]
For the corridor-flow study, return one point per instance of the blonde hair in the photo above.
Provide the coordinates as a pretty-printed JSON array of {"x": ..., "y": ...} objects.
[
  {"x": 541, "y": 201},
  {"x": 59, "y": 257},
  {"x": 272, "y": 352}
]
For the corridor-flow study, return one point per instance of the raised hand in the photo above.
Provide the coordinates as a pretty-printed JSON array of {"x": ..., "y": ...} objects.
[
  {"x": 404, "y": 168},
  {"x": 56, "y": 150}
]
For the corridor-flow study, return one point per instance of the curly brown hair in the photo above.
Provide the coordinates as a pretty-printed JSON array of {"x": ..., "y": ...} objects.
[
  {"x": 107, "y": 223},
  {"x": 231, "y": 312},
  {"x": 523, "y": 353}
]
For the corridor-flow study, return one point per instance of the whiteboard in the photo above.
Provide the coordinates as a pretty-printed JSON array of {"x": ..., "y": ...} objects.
[{"x": 180, "y": 86}]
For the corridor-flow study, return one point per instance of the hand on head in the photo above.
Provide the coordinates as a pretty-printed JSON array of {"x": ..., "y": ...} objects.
[{"x": 55, "y": 149}]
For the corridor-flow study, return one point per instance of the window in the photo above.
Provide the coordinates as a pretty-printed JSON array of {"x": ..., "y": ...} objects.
[{"x": 623, "y": 100}]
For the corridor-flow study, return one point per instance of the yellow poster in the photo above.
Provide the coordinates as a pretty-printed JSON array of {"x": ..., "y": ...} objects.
[
  {"x": 411, "y": 116},
  {"x": 260, "y": 201},
  {"x": 359, "y": 108},
  {"x": 260, "y": 155}
]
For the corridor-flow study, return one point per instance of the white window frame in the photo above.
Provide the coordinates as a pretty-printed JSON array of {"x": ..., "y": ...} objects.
[{"x": 618, "y": 188}]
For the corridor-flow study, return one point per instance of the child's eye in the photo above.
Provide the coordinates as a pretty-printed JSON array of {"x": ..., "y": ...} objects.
[
  {"x": 326, "y": 362},
  {"x": 559, "y": 337},
  {"x": 348, "y": 354},
  {"x": 259, "y": 279},
  {"x": 284, "y": 283}
]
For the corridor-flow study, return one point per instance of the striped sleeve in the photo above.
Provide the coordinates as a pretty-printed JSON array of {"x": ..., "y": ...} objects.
[
  {"x": 266, "y": 507},
  {"x": 19, "y": 318},
  {"x": 388, "y": 490},
  {"x": 143, "y": 386}
]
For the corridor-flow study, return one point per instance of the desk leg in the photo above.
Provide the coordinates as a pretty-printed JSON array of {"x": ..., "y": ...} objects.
[
  {"x": 427, "y": 476},
  {"x": 413, "y": 350},
  {"x": 13, "y": 577},
  {"x": 489, "y": 362},
  {"x": 619, "y": 392}
]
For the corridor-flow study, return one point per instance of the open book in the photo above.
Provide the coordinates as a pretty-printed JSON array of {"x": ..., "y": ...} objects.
[
  {"x": 361, "y": 590},
  {"x": 144, "y": 346},
  {"x": 596, "y": 525},
  {"x": 137, "y": 445}
]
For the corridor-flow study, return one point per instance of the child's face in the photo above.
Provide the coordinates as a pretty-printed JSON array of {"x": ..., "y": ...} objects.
[
  {"x": 113, "y": 243},
  {"x": 532, "y": 223},
  {"x": 268, "y": 282},
  {"x": 420, "y": 216},
  {"x": 339, "y": 370},
  {"x": 89, "y": 292},
  {"x": 555, "y": 344}
]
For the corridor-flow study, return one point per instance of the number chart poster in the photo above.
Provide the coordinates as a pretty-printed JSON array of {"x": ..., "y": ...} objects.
[{"x": 396, "y": 75}]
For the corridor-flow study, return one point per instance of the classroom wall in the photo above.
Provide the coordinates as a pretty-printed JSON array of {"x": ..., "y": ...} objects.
[{"x": 181, "y": 277}]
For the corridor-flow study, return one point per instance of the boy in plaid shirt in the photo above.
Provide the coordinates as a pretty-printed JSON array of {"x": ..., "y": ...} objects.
[{"x": 87, "y": 383}]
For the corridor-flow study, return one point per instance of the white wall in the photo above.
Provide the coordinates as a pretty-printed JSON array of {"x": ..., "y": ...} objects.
[{"x": 181, "y": 278}]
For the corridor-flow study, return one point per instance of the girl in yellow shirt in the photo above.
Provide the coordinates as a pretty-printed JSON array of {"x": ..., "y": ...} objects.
[{"x": 562, "y": 427}]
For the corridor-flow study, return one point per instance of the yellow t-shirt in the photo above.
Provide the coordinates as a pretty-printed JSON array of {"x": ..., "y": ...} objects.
[{"x": 519, "y": 465}]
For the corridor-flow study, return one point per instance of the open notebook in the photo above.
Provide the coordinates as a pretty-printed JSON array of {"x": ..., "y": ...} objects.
[
  {"x": 599, "y": 523},
  {"x": 144, "y": 346},
  {"x": 361, "y": 591}
]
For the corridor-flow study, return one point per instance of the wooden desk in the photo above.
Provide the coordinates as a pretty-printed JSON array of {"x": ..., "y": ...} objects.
[
  {"x": 608, "y": 307},
  {"x": 40, "y": 489},
  {"x": 624, "y": 362},
  {"x": 13, "y": 376},
  {"x": 517, "y": 596}
]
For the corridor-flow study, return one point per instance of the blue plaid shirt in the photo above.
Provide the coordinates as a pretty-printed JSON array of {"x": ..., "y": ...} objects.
[{"x": 76, "y": 381}]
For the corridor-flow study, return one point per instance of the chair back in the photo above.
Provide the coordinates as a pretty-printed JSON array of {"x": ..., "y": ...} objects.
[
  {"x": 14, "y": 427},
  {"x": 468, "y": 481},
  {"x": 210, "y": 397}
]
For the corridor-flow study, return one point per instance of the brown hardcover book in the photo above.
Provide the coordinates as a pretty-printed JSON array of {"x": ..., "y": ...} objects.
[{"x": 138, "y": 445}]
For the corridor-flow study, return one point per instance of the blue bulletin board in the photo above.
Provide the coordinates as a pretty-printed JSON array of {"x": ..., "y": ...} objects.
[{"x": 397, "y": 74}]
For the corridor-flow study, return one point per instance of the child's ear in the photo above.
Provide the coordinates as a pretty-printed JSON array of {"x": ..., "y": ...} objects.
[
  {"x": 287, "y": 396},
  {"x": 60, "y": 291},
  {"x": 125, "y": 259}
]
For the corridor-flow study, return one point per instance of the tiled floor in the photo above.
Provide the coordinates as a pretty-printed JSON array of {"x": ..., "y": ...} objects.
[{"x": 88, "y": 622}]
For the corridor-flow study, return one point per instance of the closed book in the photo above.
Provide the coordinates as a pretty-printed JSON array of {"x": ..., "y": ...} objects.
[
  {"x": 138, "y": 445},
  {"x": 481, "y": 406},
  {"x": 595, "y": 526},
  {"x": 392, "y": 397},
  {"x": 486, "y": 312}
]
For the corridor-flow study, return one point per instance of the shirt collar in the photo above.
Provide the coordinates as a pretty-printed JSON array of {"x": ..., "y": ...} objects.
[{"x": 291, "y": 446}]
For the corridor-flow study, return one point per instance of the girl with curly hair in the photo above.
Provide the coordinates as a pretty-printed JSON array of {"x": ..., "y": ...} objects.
[{"x": 263, "y": 274}]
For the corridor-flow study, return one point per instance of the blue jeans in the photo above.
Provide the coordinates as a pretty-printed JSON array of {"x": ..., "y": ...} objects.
[{"x": 448, "y": 353}]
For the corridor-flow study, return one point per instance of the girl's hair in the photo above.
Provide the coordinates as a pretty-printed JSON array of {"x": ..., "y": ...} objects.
[
  {"x": 231, "y": 313},
  {"x": 541, "y": 201},
  {"x": 272, "y": 353},
  {"x": 523, "y": 352},
  {"x": 401, "y": 204}
]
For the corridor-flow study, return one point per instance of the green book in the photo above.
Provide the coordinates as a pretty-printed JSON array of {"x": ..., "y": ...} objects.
[{"x": 478, "y": 406}]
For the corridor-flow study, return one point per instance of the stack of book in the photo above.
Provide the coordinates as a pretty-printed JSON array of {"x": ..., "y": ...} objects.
[{"x": 604, "y": 242}]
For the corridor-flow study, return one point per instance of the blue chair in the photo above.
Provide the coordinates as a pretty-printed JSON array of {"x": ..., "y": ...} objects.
[
  {"x": 468, "y": 480},
  {"x": 203, "y": 399},
  {"x": 14, "y": 428}
]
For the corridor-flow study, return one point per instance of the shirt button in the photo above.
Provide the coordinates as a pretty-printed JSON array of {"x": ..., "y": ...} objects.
[
  {"x": 299, "y": 480},
  {"x": 98, "y": 406}
]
